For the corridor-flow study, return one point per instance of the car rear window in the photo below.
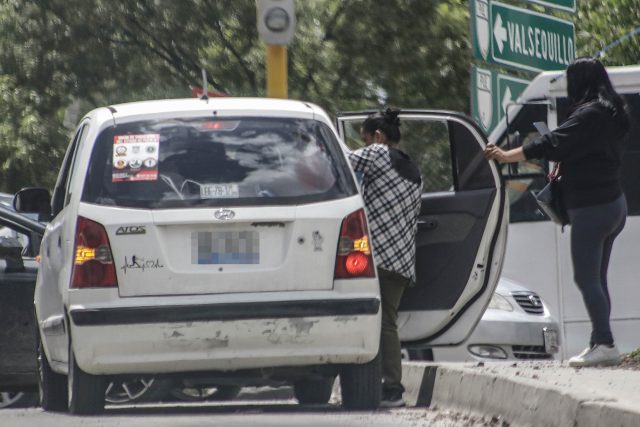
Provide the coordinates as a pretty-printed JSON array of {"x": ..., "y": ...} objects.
[{"x": 216, "y": 162}]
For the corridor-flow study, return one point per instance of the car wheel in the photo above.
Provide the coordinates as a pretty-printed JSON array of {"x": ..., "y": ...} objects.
[
  {"x": 52, "y": 387},
  {"x": 362, "y": 385},
  {"x": 313, "y": 391},
  {"x": 17, "y": 399},
  {"x": 86, "y": 391},
  {"x": 146, "y": 389},
  {"x": 195, "y": 394}
]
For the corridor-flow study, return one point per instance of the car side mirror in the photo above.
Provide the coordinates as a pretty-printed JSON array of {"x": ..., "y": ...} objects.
[{"x": 33, "y": 200}]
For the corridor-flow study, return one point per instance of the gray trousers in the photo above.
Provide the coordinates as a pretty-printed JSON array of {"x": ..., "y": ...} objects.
[
  {"x": 392, "y": 286},
  {"x": 593, "y": 231}
]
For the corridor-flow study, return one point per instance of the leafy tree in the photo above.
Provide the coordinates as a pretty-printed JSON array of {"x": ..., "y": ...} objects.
[
  {"x": 347, "y": 54},
  {"x": 599, "y": 23}
]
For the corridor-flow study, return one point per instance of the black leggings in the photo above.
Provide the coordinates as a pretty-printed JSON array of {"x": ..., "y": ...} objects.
[{"x": 593, "y": 230}]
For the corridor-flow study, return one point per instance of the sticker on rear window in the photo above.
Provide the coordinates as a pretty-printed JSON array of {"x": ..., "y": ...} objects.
[{"x": 135, "y": 157}]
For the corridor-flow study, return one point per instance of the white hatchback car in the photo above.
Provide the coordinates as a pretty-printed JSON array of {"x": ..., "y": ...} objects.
[{"x": 225, "y": 241}]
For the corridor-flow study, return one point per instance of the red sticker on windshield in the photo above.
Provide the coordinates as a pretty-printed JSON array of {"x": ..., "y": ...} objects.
[{"x": 135, "y": 157}]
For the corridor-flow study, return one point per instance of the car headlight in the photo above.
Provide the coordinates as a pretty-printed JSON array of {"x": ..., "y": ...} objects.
[
  {"x": 498, "y": 302},
  {"x": 487, "y": 351}
]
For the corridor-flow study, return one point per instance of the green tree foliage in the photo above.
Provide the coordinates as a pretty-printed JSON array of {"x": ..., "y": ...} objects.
[
  {"x": 601, "y": 22},
  {"x": 347, "y": 54}
]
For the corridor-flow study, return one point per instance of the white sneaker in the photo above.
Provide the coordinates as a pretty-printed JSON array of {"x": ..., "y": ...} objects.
[{"x": 598, "y": 355}]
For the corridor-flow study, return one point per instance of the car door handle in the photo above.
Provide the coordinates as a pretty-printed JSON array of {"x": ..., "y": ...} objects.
[{"x": 427, "y": 223}]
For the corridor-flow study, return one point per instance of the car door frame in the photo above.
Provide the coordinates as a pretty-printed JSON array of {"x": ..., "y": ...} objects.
[
  {"x": 34, "y": 230},
  {"x": 462, "y": 320}
]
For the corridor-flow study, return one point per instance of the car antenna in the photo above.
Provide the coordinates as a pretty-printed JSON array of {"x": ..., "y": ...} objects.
[{"x": 205, "y": 90}]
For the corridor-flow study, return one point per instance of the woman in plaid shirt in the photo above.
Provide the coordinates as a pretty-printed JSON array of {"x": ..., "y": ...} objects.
[{"x": 391, "y": 188}]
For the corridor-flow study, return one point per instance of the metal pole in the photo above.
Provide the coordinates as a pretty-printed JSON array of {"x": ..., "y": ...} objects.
[{"x": 277, "y": 71}]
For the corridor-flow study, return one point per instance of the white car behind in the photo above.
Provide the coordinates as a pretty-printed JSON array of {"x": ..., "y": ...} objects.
[{"x": 516, "y": 326}]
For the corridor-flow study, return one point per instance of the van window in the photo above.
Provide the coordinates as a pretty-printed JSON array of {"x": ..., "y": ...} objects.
[
  {"x": 631, "y": 154},
  {"x": 216, "y": 162},
  {"x": 524, "y": 177}
]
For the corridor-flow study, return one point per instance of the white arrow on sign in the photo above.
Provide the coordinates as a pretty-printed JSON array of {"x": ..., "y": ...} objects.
[
  {"x": 506, "y": 99},
  {"x": 499, "y": 32}
]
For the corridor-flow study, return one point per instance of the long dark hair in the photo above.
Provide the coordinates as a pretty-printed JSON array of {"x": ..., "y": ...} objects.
[
  {"x": 386, "y": 121},
  {"x": 588, "y": 81}
]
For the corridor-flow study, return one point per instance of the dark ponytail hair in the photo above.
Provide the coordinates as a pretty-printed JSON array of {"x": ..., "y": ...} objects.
[
  {"x": 386, "y": 121},
  {"x": 588, "y": 81}
]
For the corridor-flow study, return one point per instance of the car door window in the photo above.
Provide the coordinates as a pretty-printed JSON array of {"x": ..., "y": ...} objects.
[
  {"x": 60, "y": 190},
  {"x": 524, "y": 177},
  {"x": 79, "y": 140},
  {"x": 14, "y": 244},
  {"x": 426, "y": 142},
  {"x": 463, "y": 206}
]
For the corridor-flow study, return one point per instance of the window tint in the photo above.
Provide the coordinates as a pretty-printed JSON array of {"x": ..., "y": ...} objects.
[
  {"x": 426, "y": 142},
  {"x": 524, "y": 177},
  {"x": 210, "y": 162},
  {"x": 473, "y": 172}
]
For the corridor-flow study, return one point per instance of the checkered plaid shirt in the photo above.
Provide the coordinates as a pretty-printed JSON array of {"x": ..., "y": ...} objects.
[{"x": 393, "y": 205}]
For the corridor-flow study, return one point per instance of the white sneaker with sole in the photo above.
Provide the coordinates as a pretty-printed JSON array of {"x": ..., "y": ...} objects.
[{"x": 598, "y": 355}]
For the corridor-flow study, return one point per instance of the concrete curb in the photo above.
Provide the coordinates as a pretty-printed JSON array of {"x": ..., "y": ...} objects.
[{"x": 518, "y": 400}]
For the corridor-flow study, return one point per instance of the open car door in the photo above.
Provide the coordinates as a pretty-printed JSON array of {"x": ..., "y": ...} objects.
[{"x": 462, "y": 227}]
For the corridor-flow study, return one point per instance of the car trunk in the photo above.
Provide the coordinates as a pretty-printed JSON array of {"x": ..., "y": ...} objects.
[{"x": 262, "y": 249}]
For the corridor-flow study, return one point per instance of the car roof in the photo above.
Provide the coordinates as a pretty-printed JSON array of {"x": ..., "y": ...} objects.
[{"x": 222, "y": 106}]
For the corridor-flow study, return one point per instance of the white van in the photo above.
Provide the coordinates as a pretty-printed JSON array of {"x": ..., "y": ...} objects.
[{"x": 538, "y": 254}]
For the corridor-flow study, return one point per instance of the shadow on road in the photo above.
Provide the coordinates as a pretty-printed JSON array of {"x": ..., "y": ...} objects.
[{"x": 233, "y": 407}]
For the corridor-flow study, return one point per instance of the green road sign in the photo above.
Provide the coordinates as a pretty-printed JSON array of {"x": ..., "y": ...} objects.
[
  {"x": 480, "y": 29},
  {"x": 508, "y": 90},
  {"x": 491, "y": 94},
  {"x": 566, "y": 5},
  {"x": 529, "y": 40},
  {"x": 519, "y": 38}
]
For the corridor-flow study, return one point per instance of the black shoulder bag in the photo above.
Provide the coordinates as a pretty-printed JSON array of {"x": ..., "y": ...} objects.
[{"x": 550, "y": 200}]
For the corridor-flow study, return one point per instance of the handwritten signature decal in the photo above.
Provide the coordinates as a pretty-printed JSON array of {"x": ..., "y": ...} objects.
[{"x": 139, "y": 263}]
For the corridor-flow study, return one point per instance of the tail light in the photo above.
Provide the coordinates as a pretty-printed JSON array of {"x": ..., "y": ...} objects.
[
  {"x": 93, "y": 264},
  {"x": 354, "y": 259}
]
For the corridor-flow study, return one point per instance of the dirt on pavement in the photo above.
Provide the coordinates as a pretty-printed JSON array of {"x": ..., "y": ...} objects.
[{"x": 630, "y": 361}]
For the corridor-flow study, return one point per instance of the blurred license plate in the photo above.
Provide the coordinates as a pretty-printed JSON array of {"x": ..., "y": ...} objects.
[
  {"x": 551, "y": 342},
  {"x": 219, "y": 191},
  {"x": 225, "y": 247}
]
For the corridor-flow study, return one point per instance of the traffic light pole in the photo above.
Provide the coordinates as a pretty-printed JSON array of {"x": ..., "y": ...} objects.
[{"x": 277, "y": 71}]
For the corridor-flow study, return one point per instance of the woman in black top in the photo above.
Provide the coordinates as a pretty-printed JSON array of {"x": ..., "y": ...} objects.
[{"x": 588, "y": 146}]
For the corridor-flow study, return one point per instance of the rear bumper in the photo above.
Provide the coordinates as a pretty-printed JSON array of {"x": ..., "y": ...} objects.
[
  {"x": 225, "y": 337},
  {"x": 224, "y": 312}
]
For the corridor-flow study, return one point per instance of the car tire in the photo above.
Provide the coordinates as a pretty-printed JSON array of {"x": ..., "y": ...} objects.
[
  {"x": 198, "y": 394},
  {"x": 52, "y": 387},
  {"x": 316, "y": 391},
  {"x": 137, "y": 390},
  {"x": 86, "y": 391},
  {"x": 361, "y": 385}
]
